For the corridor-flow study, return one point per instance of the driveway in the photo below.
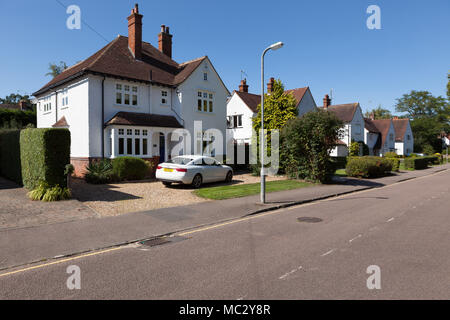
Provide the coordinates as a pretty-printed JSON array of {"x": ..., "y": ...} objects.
[
  {"x": 124, "y": 197},
  {"x": 18, "y": 211}
]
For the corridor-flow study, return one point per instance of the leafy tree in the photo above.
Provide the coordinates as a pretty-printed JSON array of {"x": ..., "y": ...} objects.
[
  {"x": 448, "y": 86},
  {"x": 379, "y": 113},
  {"x": 306, "y": 145},
  {"x": 14, "y": 98},
  {"x": 430, "y": 116},
  {"x": 353, "y": 150},
  {"x": 56, "y": 69}
]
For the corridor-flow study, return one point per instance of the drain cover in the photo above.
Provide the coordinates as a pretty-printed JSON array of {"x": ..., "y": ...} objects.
[
  {"x": 160, "y": 241},
  {"x": 309, "y": 219}
]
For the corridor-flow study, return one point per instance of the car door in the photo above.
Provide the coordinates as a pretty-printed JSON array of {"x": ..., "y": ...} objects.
[{"x": 209, "y": 172}]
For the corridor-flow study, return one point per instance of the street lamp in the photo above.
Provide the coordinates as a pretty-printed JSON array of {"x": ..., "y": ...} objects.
[{"x": 274, "y": 46}]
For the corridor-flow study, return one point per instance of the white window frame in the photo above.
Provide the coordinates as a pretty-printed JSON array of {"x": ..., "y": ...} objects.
[
  {"x": 208, "y": 97},
  {"x": 164, "y": 96},
  {"x": 120, "y": 87},
  {"x": 134, "y": 133}
]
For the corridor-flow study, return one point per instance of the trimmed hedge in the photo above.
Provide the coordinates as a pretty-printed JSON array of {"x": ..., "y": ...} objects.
[
  {"x": 16, "y": 119},
  {"x": 339, "y": 162},
  {"x": 395, "y": 163},
  {"x": 10, "y": 166},
  {"x": 44, "y": 156},
  {"x": 416, "y": 163},
  {"x": 130, "y": 168},
  {"x": 368, "y": 167}
]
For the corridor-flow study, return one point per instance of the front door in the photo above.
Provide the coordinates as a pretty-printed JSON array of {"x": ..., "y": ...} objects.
[{"x": 162, "y": 148}]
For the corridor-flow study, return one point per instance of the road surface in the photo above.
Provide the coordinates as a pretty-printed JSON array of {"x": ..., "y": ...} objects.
[{"x": 401, "y": 230}]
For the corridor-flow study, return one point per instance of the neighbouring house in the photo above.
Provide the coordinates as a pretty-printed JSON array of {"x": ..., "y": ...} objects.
[
  {"x": 387, "y": 136},
  {"x": 404, "y": 140},
  {"x": 372, "y": 137},
  {"x": 353, "y": 130},
  {"x": 129, "y": 97},
  {"x": 22, "y": 106},
  {"x": 243, "y": 106}
]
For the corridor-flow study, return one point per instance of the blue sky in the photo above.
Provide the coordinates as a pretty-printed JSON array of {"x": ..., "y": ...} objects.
[{"x": 327, "y": 43}]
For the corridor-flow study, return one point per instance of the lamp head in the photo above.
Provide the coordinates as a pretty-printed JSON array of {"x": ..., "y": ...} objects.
[{"x": 276, "y": 46}]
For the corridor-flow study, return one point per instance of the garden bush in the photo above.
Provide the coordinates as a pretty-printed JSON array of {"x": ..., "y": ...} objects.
[
  {"x": 130, "y": 168},
  {"x": 99, "y": 172},
  {"x": 339, "y": 162},
  {"x": 10, "y": 166},
  {"x": 16, "y": 119},
  {"x": 45, "y": 192},
  {"x": 44, "y": 155},
  {"x": 368, "y": 167},
  {"x": 391, "y": 154},
  {"x": 416, "y": 163},
  {"x": 395, "y": 163}
]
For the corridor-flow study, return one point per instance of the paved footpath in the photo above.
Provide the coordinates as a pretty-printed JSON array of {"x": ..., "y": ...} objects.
[{"x": 26, "y": 245}]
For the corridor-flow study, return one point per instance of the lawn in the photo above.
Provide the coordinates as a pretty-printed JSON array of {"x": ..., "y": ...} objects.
[
  {"x": 341, "y": 173},
  {"x": 242, "y": 190}
]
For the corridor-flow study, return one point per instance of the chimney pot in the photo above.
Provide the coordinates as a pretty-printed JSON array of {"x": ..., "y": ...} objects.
[
  {"x": 135, "y": 32},
  {"x": 243, "y": 87},
  {"x": 270, "y": 85},
  {"x": 326, "y": 101},
  {"x": 165, "y": 41}
]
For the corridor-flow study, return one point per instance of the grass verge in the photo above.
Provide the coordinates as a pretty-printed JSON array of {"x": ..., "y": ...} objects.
[
  {"x": 242, "y": 190},
  {"x": 340, "y": 173}
]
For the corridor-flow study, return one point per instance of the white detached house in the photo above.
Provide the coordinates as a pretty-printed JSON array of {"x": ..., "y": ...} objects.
[
  {"x": 129, "y": 97},
  {"x": 242, "y": 107},
  {"x": 404, "y": 140}
]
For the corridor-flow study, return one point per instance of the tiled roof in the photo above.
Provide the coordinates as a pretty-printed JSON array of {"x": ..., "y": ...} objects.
[
  {"x": 400, "y": 126},
  {"x": 116, "y": 60},
  {"x": 250, "y": 99},
  {"x": 370, "y": 126},
  {"x": 9, "y": 106},
  {"x": 345, "y": 112},
  {"x": 383, "y": 126},
  {"x": 61, "y": 123},
  {"x": 143, "y": 119},
  {"x": 298, "y": 93}
]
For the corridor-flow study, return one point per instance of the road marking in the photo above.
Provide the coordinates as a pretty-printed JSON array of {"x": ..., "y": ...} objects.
[
  {"x": 358, "y": 236},
  {"x": 290, "y": 272},
  {"x": 327, "y": 253},
  {"x": 391, "y": 219},
  {"x": 60, "y": 261}
]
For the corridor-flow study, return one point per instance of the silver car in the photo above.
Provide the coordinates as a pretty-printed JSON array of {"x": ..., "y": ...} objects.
[{"x": 193, "y": 170}]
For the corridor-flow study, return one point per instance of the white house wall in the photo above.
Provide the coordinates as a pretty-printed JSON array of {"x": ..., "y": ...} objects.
[
  {"x": 237, "y": 107},
  {"x": 307, "y": 104}
]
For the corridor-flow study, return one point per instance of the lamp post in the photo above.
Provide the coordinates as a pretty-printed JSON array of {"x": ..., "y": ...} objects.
[{"x": 274, "y": 46}]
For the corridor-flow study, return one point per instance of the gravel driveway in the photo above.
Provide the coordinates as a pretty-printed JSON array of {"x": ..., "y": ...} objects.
[{"x": 118, "y": 198}]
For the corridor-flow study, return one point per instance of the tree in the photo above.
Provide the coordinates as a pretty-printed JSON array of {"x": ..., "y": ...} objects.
[
  {"x": 56, "y": 69},
  {"x": 379, "y": 113},
  {"x": 430, "y": 116},
  {"x": 14, "y": 98},
  {"x": 306, "y": 145},
  {"x": 448, "y": 86}
]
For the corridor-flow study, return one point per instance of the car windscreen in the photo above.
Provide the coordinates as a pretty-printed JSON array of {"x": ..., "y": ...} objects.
[{"x": 180, "y": 160}]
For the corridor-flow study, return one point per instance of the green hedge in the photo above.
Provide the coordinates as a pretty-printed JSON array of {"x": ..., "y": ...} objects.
[
  {"x": 10, "y": 167},
  {"x": 368, "y": 167},
  {"x": 130, "y": 168},
  {"x": 44, "y": 155},
  {"x": 416, "y": 163},
  {"x": 16, "y": 119},
  {"x": 395, "y": 163},
  {"x": 339, "y": 162}
]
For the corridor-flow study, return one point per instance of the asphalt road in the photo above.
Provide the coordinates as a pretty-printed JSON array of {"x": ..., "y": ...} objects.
[{"x": 404, "y": 229}]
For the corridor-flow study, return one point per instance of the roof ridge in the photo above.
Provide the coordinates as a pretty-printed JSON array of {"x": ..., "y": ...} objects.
[{"x": 193, "y": 60}]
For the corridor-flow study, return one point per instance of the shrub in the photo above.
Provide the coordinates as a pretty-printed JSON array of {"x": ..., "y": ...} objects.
[
  {"x": 354, "y": 148},
  {"x": 45, "y": 192},
  {"x": 130, "y": 168},
  {"x": 339, "y": 162},
  {"x": 306, "y": 143},
  {"x": 416, "y": 163},
  {"x": 99, "y": 172},
  {"x": 44, "y": 156},
  {"x": 368, "y": 167},
  {"x": 16, "y": 119},
  {"x": 428, "y": 149},
  {"x": 10, "y": 166},
  {"x": 391, "y": 154},
  {"x": 395, "y": 163}
]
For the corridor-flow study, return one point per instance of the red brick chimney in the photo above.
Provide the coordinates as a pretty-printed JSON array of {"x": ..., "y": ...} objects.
[
  {"x": 23, "y": 105},
  {"x": 135, "y": 32},
  {"x": 326, "y": 101},
  {"x": 243, "y": 87},
  {"x": 395, "y": 118},
  {"x": 270, "y": 85},
  {"x": 372, "y": 116},
  {"x": 165, "y": 41}
]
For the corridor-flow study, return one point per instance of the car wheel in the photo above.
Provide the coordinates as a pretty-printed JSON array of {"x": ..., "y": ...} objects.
[
  {"x": 166, "y": 183},
  {"x": 197, "y": 181},
  {"x": 229, "y": 176}
]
